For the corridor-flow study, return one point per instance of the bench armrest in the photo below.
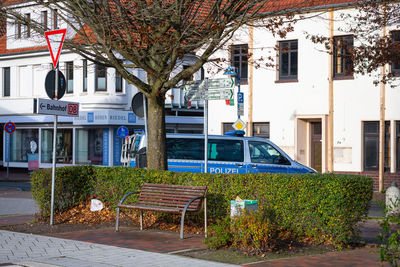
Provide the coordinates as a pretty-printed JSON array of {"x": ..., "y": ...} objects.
[
  {"x": 190, "y": 201},
  {"x": 127, "y": 195}
]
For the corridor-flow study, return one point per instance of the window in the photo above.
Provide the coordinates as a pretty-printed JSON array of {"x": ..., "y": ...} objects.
[
  {"x": 288, "y": 51},
  {"x": 239, "y": 55},
  {"x": 70, "y": 77},
  {"x": 44, "y": 19},
  {"x": 227, "y": 127},
  {"x": 101, "y": 78},
  {"x": 342, "y": 61},
  {"x": 118, "y": 82},
  {"x": 398, "y": 146},
  {"x": 20, "y": 144},
  {"x": 89, "y": 146},
  {"x": 27, "y": 28},
  {"x": 63, "y": 146},
  {"x": 261, "y": 152},
  {"x": 225, "y": 150},
  {"x": 371, "y": 146},
  {"x": 261, "y": 129},
  {"x": 6, "y": 81},
  {"x": 395, "y": 65},
  {"x": 84, "y": 68},
  {"x": 17, "y": 30},
  {"x": 55, "y": 19}
]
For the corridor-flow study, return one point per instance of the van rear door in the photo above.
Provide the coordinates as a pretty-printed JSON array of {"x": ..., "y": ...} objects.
[{"x": 266, "y": 158}]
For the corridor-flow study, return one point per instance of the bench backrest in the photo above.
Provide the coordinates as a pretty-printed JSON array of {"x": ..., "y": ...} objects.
[{"x": 175, "y": 196}]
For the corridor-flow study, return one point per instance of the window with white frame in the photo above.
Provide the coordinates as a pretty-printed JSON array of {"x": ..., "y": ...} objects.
[
  {"x": 70, "y": 77},
  {"x": 44, "y": 19},
  {"x": 118, "y": 82},
  {"x": 85, "y": 73},
  {"x": 27, "y": 28},
  {"x": 6, "y": 81},
  {"x": 100, "y": 78}
]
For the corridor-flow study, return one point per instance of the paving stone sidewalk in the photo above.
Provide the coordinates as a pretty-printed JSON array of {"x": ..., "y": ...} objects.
[{"x": 18, "y": 249}]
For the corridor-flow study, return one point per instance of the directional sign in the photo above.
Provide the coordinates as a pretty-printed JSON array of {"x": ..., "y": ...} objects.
[
  {"x": 54, "y": 107},
  {"x": 220, "y": 94},
  {"x": 221, "y": 83},
  {"x": 9, "y": 127},
  {"x": 239, "y": 125},
  {"x": 55, "y": 40}
]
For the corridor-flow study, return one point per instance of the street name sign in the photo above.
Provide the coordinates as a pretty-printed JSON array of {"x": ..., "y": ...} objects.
[{"x": 54, "y": 107}]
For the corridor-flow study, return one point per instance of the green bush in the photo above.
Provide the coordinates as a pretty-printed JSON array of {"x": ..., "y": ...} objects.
[
  {"x": 326, "y": 207},
  {"x": 72, "y": 185}
]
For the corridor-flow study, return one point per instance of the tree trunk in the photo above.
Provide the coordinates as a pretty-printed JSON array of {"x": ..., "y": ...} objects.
[{"x": 156, "y": 143}]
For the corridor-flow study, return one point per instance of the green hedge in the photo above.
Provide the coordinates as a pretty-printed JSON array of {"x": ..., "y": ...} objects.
[{"x": 326, "y": 207}]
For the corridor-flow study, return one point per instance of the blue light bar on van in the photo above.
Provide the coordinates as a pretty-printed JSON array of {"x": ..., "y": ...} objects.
[{"x": 235, "y": 133}]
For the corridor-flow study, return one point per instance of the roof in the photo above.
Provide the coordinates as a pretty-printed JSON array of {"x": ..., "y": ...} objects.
[{"x": 272, "y": 6}]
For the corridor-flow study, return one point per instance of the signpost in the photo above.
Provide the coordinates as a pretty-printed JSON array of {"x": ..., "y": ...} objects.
[
  {"x": 122, "y": 131},
  {"x": 9, "y": 127},
  {"x": 55, "y": 40}
]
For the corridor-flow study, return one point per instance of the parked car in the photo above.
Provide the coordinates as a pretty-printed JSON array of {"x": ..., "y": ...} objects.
[{"x": 226, "y": 154}]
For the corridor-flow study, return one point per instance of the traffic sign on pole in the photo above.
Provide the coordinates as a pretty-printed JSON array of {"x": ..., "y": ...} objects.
[
  {"x": 55, "y": 107},
  {"x": 55, "y": 40},
  {"x": 9, "y": 127}
]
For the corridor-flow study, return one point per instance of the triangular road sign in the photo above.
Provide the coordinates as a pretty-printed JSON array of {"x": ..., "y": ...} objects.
[{"x": 55, "y": 40}]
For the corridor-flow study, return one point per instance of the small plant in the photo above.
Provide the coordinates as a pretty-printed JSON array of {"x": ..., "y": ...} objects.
[
  {"x": 219, "y": 234},
  {"x": 389, "y": 250}
]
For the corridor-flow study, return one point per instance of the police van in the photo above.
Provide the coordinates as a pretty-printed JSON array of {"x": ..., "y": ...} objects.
[{"x": 226, "y": 154}]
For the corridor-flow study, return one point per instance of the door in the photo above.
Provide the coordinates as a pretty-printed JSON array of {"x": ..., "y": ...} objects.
[
  {"x": 265, "y": 158},
  {"x": 316, "y": 146}
]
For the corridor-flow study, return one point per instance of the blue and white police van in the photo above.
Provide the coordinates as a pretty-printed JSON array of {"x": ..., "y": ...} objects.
[{"x": 226, "y": 154}]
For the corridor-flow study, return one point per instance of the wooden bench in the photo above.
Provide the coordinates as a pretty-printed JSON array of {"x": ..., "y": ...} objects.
[{"x": 168, "y": 198}]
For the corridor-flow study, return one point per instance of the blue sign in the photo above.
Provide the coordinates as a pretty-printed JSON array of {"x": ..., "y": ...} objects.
[
  {"x": 131, "y": 118},
  {"x": 7, "y": 147},
  {"x": 105, "y": 146},
  {"x": 240, "y": 97},
  {"x": 90, "y": 117},
  {"x": 117, "y": 148},
  {"x": 122, "y": 132}
]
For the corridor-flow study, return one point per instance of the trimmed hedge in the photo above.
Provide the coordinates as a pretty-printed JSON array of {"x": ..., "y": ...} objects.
[{"x": 326, "y": 207}]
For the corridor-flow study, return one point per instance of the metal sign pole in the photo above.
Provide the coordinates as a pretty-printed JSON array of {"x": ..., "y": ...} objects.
[
  {"x": 206, "y": 128},
  {"x": 8, "y": 153},
  {"x": 53, "y": 173}
]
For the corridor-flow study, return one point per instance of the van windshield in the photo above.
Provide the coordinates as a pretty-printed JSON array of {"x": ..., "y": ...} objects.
[{"x": 193, "y": 149}]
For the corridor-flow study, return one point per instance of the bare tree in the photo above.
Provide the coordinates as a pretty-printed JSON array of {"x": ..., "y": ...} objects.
[{"x": 155, "y": 35}]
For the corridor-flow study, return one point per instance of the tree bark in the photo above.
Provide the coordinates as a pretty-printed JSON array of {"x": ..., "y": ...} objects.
[{"x": 156, "y": 143}]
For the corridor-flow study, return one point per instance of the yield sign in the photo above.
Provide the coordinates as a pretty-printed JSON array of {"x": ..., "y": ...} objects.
[{"x": 55, "y": 40}]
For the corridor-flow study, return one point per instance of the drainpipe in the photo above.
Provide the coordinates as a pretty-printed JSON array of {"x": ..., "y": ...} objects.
[
  {"x": 251, "y": 73},
  {"x": 382, "y": 121},
  {"x": 330, "y": 97}
]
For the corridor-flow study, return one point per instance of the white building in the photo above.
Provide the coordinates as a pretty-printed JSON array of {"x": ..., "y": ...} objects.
[
  {"x": 104, "y": 98},
  {"x": 290, "y": 103}
]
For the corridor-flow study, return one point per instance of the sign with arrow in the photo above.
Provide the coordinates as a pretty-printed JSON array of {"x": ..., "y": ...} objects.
[
  {"x": 55, "y": 107},
  {"x": 217, "y": 89},
  {"x": 55, "y": 40}
]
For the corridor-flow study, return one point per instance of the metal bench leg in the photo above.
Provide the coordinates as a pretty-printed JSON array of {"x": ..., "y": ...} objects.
[
  {"x": 141, "y": 220},
  {"x": 182, "y": 223},
  {"x": 116, "y": 223}
]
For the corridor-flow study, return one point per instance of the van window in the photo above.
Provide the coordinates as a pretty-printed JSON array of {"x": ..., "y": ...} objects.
[
  {"x": 225, "y": 150},
  {"x": 193, "y": 149},
  {"x": 185, "y": 148},
  {"x": 261, "y": 152}
]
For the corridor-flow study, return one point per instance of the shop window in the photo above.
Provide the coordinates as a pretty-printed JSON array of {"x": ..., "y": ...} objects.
[
  {"x": 63, "y": 146},
  {"x": 101, "y": 78},
  {"x": 261, "y": 129},
  {"x": 89, "y": 146},
  {"x": 342, "y": 60},
  {"x": 20, "y": 144},
  {"x": 239, "y": 59},
  {"x": 395, "y": 65},
  {"x": 6, "y": 81},
  {"x": 118, "y": 82},
  {"x": 288, "y": 51},
  {"x": 85, "y": 80},
  {"x": 70, "y": 77},
  {"x": 371, "y": 146}
]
